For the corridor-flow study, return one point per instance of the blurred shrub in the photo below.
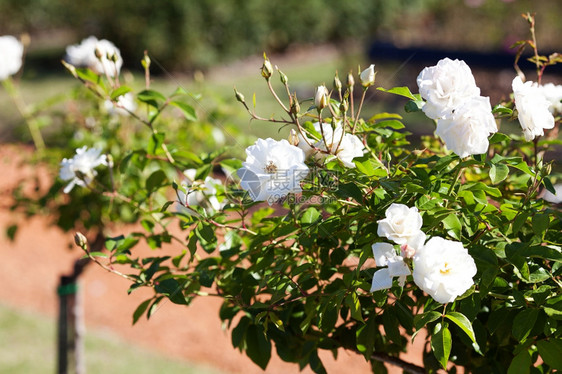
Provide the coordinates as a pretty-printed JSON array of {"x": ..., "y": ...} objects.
[{"x": 198, "y": 33}]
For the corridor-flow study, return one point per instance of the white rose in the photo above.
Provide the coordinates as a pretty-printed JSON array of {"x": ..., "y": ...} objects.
[
  {"x": 466, "y": 130},
  {"x": 198, "y": 193},
  {"x": 11, "y": 54},
  {"x": 555, "y": 198},
  {"x": 385, "y": 255},
  {"x": 446, "y": 86},
  {"x": 124, "y": 105},
  {"x": 321, "y": 97},
  {"x": 272, "y": 170},
  {"x": 443, "y": 269},
  {"x": 532, "y": 108},
  {"x": 367, "y": 76},
  {"x": 80, "y": 169},
  {"x": 402, "y": 225},
  {"x": 84, "y": 55},
  {"x": 553, "y": 93}
]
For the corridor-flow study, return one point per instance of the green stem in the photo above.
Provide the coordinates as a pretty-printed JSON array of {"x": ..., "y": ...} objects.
[{"x": 25, "y": 113}]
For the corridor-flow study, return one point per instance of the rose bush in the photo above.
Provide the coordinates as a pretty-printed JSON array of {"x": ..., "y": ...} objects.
[{"x": 463, "y": 246}]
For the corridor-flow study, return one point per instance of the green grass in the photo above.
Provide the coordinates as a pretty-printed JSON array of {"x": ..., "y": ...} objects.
[{"x": 28, "y": 345}]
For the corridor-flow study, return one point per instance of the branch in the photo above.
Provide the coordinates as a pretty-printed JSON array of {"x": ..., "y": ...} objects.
[{"x": 406, "y": 366}]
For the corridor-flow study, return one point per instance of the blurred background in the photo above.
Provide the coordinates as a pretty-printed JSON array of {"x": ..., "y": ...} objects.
[{"x": 209, "y": 47}]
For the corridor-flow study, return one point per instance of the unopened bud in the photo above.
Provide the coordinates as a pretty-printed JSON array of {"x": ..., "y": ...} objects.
[
  {"x": 295, "y": 106},
  {"x": 548, "y": 169},
  {"x": 239, "y": 96},
  {"x": 145, "y": 61},
  {"x": 98, "y": 53},
  {"x": 70, "y": 68},
  {"x": 406, "y": 251},
  {"x": 266, "y": 69},
  {"x": 81, "y": 240},
  {"x": 337, "y": 83},
  {"x": 109, "y": 161},
  {"x": 344, "y": 105},
  {"x": 350, "y": 80},
  {"x": 282, "y": 76},
  {"x": 321, "y": 97},
  {"x": 367, "y": 76},
  {"x": 293, "y": 138}
]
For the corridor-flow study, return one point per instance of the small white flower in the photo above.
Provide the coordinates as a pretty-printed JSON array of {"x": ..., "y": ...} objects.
[
  {"x": 336, "y": 141},
  {"x": 555, "y": 198},
  {"x": 125, "y": 104},
  {"x": 198, "y": 193},
  {"x": 553, "y": 93},
  {"x": 79, "y": 170},
  {"x": 11, "y": 54},
  {"x": 446, "y": 86},
  {"x": 84, "y": 55},
  {"x": 532, "y": 108},
  {"x": 402, "y": 225},
  {"x": 466, "y": 130},
  {"x": 272, "y": 170},
  {"x": 385, "y": 255},
  {"x": 367, "y": 76},
  {"x": 321, "y": 98},
  {"x": 443, "y": 269}
]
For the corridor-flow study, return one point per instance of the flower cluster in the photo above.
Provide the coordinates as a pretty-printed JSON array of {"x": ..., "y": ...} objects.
[
  {"x": 533, "y": 109},
  {"x": 442, "y": 268},
  {"x": 11, "y": 57},
  {"x": 272, "y": 170},
  {"x": 102, "y": 56},
  {"x": 198, "y": 193},
  {"x": 79, "y": 170},
  {"x": 122, "y": 107},
  {"x": 333, "y": 141},
  {"x": 464, "y": 118}
]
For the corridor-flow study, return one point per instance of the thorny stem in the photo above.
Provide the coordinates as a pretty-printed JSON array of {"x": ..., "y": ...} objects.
[{"x": 531, "y": 19}]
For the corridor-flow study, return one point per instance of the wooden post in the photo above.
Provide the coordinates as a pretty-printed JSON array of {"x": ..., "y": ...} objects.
[{"x": 71, "y": 323}]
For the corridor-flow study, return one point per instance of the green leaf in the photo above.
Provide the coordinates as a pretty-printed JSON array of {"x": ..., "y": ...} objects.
[
  {"x": 276, "y": 321},
  {"x": 120, "y": 91},
  {"x": 413, "y": 106},
  {"x": 423, "y": 319},
  {"x": 390, "y": 324},
  {"x": 352, "y": 302},
  {"x": 541, "y": 222},
  {"x": 551, "y": 352},
  {"x": 155, "y": 143},
  {"x": 524, "y": 323},
  {"x": 365, "y": 337},
  {"x": 498, "y": 172},
  {"x": 461, "y": 321},
  {"x": 502, "y": 110},
  {"x": 391, "y": 123},
  {"x": 151, "y": 97},
  {"x": 11, "y": 232},
  {"x": 521, "y": 363},
  {"x": 400, "y": 91},
  {"x": 310, "y": 216},
  {"x": 155, "y": 181},
  {"x": 441, "y": 344},
  {"x": 346, "y": 190},
  {"x": 187, "y": 110},
  {"x": 258, "y": 348},
  {"x": 140, "y": 310},
  {"x": 453, "y": 225}
]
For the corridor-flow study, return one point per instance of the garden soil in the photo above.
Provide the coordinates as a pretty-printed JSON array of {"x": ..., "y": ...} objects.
[{"x": 31, "y": 266}]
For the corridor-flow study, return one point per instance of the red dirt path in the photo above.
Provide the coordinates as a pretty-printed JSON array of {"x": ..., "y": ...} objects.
[{"x": 31, "y": 266}]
